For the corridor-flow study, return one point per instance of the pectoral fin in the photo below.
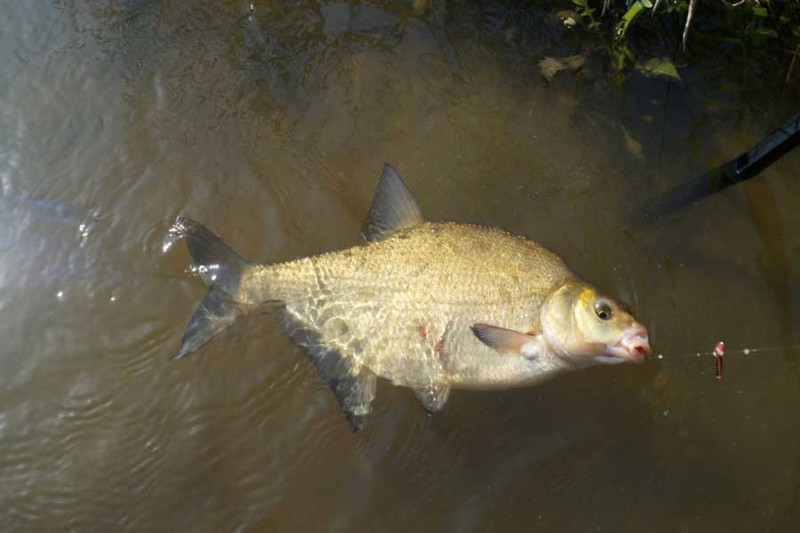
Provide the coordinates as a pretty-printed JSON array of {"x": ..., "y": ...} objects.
[{"x": 507, "y": 341}]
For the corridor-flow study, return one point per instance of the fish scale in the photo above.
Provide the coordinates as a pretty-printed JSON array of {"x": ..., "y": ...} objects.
[{"x": 427, "y": 276}]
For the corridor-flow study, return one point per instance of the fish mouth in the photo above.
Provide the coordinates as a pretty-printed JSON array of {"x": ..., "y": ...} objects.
[{"x": 634, "y": 345}]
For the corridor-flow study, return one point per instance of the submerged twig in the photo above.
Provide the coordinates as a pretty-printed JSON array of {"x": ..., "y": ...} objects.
[
  {"x": 689, "y": 16},
  {"x": 655, "y": 6},
  {"x": 730, "y": 5},
  {"x": 791, "y": 69}
]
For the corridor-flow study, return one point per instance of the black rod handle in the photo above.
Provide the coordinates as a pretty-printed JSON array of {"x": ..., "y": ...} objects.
[{"x": 744, "y": 167}]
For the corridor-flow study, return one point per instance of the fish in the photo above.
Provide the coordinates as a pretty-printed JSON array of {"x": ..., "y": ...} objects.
[{"x": 432, "y": 306}]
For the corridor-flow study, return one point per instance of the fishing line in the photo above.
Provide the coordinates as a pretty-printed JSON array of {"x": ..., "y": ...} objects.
[
  {"x": 743, "y": 351},
  {"x": 719, "y": 353}
]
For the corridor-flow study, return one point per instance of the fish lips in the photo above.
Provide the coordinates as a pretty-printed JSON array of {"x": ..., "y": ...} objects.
[{"x": 633, "y": 347}]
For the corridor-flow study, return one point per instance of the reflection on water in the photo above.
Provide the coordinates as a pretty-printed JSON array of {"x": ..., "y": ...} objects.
[{"x": 269, "y": 122}]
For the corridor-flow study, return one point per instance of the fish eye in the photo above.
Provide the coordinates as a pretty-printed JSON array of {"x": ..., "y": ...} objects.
[{"x": 603, "y": 310}]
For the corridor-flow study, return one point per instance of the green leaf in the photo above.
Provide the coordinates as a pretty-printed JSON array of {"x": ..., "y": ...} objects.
[
  {"x": 628, "y": 17},
  {"x": 633, "y": 12},
  {"x": 581, "y": 3},
  {"x": 647, "y": 3},
  {"x": 759, "y": 11},
  {"x": 766, "y": 32},
  {"x": 659, "y": 67}
]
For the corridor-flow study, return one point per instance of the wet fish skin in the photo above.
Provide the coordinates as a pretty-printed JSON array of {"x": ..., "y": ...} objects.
[
  {"x": 371, "y": 302},
  {"x": 430, "y": 306}
]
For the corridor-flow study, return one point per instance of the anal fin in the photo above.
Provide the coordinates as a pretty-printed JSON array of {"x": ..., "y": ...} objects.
[
  {"x": 354, "y": 389},
  {"x": 433, "y": 397},
  {"x": 356, "y": 398}
]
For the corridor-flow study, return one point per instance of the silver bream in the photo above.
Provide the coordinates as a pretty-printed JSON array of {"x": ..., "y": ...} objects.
[{"x": 426, "y": 305}]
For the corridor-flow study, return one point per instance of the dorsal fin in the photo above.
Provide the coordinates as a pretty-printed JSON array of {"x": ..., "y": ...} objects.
[{"x": 393, "y": 207}]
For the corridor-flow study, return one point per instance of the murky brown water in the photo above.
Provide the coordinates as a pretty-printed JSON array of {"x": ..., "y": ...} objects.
[{"x": 271, "y": 127}]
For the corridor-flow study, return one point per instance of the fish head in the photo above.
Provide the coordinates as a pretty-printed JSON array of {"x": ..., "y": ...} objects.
[{"x": 586, "y": 326}]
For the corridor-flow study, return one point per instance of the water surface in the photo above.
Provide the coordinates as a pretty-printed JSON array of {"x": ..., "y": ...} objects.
[{"x": 270, "y": 122}]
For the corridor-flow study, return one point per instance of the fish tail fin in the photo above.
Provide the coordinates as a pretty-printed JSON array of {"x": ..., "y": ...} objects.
[{"x": 222, "y": 269}]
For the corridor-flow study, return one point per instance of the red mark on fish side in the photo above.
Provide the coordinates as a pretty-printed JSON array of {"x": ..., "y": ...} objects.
[
  {"x": 438, "y": 347},
  {"x": 719, "y": 351},
  {"x": 423, "y": 332}
]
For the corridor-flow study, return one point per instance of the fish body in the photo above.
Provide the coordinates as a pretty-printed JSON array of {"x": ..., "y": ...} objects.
[
  {"x": 429, "y": 306},
  {"x": 402, "y": 307}
]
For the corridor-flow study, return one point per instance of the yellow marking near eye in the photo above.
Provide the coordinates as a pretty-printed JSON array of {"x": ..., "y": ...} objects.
[{"x": 587, "y": 295}]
